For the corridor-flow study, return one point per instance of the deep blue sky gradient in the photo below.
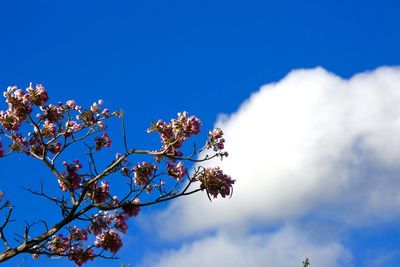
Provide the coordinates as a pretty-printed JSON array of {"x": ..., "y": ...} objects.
[{"x": 155, "y": 58}]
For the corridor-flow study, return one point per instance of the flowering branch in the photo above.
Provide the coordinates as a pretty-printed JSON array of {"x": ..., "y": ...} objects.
[{"x": 87, "y": 205}]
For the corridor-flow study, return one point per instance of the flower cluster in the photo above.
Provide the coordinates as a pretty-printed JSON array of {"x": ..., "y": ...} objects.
[
  {"x": 103, "y": 141},
  {"x": 216, "y": 182},
  {"x": 80, "y": 255},
  {"x": 215, "y": 140},
  {"x": 20, "y": 143},
  {"x": 71, "y": 176},
  {"x": 71, "y": 246},
  {"x": 52, "y": 122},
  {"x": 120, "y": 222},
  {"x": 48, "y": 130},
  {"x": 58, "y": 244},
  {"x": 52, "y": 113},
  {"x": 77, "y": 234},
  {"x": 72, "y": 127},
  {"x": 143, "y": 171},
  {"x": 173, "y": 134},
  {"x": 102, "y": 227},
  {"x": 100, "y": 221},
  {"x": 109, "y": 240},
  {"x": 38, "y": 95},
  {"x": 105, "y": 220},
  {"x": 20, "y": 105},
  {"x": 101, "y": 192},
  {"x": 176, "y": 171},
  {"x": 132, "y": 208}
]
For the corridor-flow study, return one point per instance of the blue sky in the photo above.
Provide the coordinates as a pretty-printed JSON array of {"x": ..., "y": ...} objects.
[{"x": 156, "y": 58}]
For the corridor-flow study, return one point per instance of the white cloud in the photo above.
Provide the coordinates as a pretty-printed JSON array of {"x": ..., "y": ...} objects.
[
  {"x": 286, "y": 247},
  {"x": 311, "y": 145}
]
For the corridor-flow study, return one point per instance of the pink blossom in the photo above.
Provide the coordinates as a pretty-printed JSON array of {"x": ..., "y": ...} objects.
[
  {"x": 143, "y": 171},
  {"x": 101, "y": 125},
  {"x": 9, "y": 120},
  {"x": 71, "y": 176},
  {"x": 48, "y": 130},
  {"x": 71, "y": 104},
  {"x": 106, "y": 113},
  {"x": 19, "y": 143},
  {"x": 52, "y": 113},
  {"x": 186, "y": 126},
  {"x": 72, "y": 127},
  {"x": 175, "y": 133},
  {"x": 58, "y": 244},
  {"x": 102, "y": 192},
  {"x": 100, "y": 221},
  {"x": 109, "y": 240},
  {"x": 120, "y": 223},
  {"x": 38, "y": 95},
  {"x": 76, "y": 234},
  {"x": 54, "y": 147},
  {"x": 80, "y": 255},
  {"x": 132, "y": 208},
  {"x": 95, "y": 107},
  {"x": 216, "y": 141},
  {"x": 103, "y": 141},
  {"x": 216, "y": 182},
  {"x": 87, "y": 117},
  {"x": 18, "y": 102},
  {"x": 177, "y": 171}
]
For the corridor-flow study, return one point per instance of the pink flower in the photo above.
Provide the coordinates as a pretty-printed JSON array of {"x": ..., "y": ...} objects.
[
  {"x": 71, "y": 104},
  {"x": 71, "y": 175},
  {"x": 80, "y": 255},
  {"x": 186, "y": 126},
  {"x": 52, "y": 113},
  {"x": 120, "y": 222},
  {"x": 37, "y": 96},
  {"x": 102, "y": 192},
  {"x": 216, "y": 182},
  {"x": 72, "y": 127},
  {"x": 100, "y": 221},
  {"x": 143, "y": 171},
  {"x": 58, "y": 244},
  {"x": 132, "y": 208},
  {"x": 101, "y": 125},
  {"x": 9, "y": 120},
  {"x": 176, "y": 171},
  {"x": 76, "y": 234},
  {"x": 106, "y": 113},
  {"x": 95, "y": 107},
  {"x": 103, "y": 141},
  {"x": 48, "y": 130},
  {"x": 54, "y": 147},
  {"x": 109, "y": 240},
  {"x": 175, "y": 133},
  {"x": 87, "y": 117},
  {"x": 216, "y": 141},
  {"x": 19, "y": 143}
]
